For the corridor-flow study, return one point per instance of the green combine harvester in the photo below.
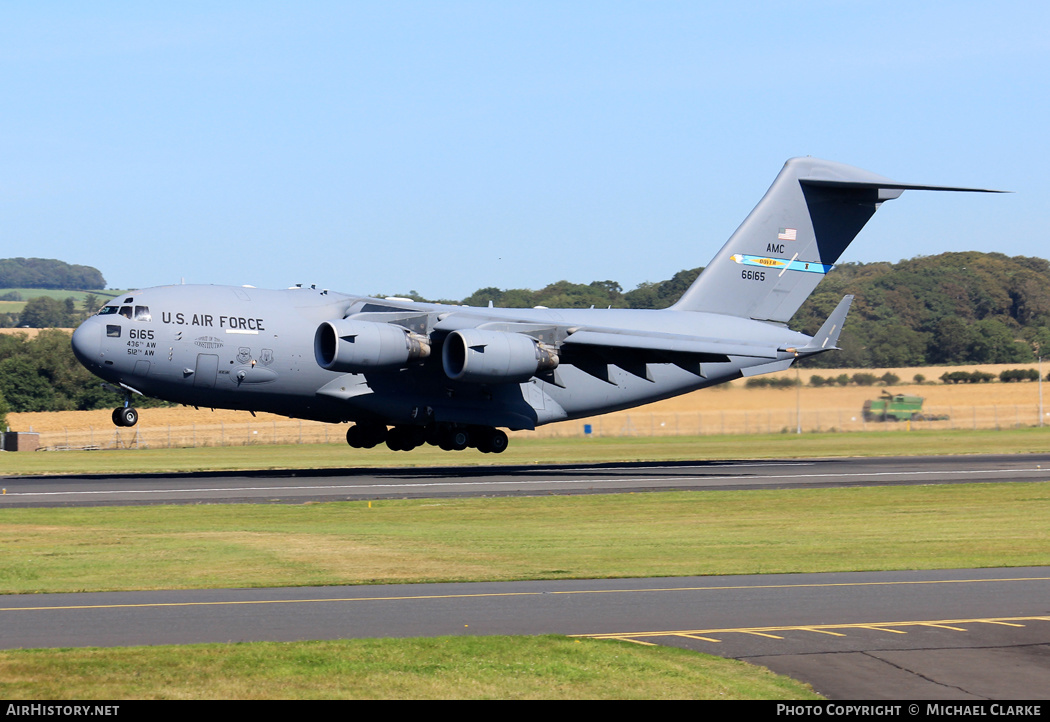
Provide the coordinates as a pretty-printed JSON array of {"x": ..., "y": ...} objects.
[{"x": 897, "y": 407}]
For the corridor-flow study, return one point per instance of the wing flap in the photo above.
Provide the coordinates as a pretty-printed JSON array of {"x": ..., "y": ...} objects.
[
  {"x": 593, "y": 351},
  {"x": 705, "y": 350}
]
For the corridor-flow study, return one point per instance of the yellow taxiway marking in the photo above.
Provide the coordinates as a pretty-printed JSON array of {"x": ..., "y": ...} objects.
[
  {"x": 822, "y": 631},
  {"x": 702, "y": 639},
  {"x": 945, "y": 626},
  {"x": 820, "y": 628},
  {"x": 642, "y": 590}
]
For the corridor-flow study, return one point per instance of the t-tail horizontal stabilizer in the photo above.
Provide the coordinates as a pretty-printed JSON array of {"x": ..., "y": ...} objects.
[
  {"x": 794, "y": 236},
  {"x": 827, "y": 338}
]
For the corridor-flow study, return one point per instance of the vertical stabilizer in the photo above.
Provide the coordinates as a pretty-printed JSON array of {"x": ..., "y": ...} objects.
[{"x": 778, "y": 255}]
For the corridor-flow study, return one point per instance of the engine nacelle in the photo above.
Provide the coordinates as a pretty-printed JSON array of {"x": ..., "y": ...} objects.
[
  {"x": 361, "y": 346},
  {"x": 481, "y": 356}
]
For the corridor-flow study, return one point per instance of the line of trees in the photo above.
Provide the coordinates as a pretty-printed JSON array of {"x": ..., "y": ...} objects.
[
  {"x": 49, "y": 312},
  {"x": 953, "y": 308},
  {"x": 858, "y": 379},
  {"x": 950, "y": 309},
  {"x": 41, "y": 374},
  {"x": 49, "y": 273},
  {"x": 862, "y": 378},
  {"x": 564, "y": 294}
]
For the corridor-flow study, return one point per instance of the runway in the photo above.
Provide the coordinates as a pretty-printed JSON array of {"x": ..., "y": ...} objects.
[
  {"x": 352, "y": 484},
  {"x": 948, "y": 634}
]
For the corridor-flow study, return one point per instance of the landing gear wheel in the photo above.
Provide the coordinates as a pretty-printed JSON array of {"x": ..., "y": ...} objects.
[
  {"x": 498, "y": 442},
  {"x": 125, "y": 416},
  {"x": 366, "y": 435},
  {"x": 453, "y": 439},
  {"x": 459, "y": 439},
  {"x": 492, "y": 441},
  {"x": 404, "y": 438}
]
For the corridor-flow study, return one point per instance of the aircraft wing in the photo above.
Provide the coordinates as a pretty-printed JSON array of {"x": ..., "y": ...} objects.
[
  {"x": 709, "y": 349},
  {"x": 595, "y": 350},
  {"x": 609, "y": 340}
]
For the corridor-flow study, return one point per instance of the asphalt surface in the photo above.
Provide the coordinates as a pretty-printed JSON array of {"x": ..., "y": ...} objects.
[
  {"x": 948, "y": 634},
  {"x": 348, "y": 484}
]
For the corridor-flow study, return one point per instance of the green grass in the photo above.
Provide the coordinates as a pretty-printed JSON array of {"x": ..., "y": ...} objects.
[
  {"x": 524, "y": 450},
  {"x": 616, "y": 535},
  {"x": 548, "y": 537},
  {"x": 440, "y": 668},
  {"x": 61, "y": 295}
]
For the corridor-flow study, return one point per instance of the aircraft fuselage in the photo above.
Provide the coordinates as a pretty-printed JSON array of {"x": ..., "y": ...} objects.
[{"x": 253, "y": 349}]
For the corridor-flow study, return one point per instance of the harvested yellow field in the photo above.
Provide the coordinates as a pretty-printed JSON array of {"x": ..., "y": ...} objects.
[
  {"x": 60, "y": 421},
  {"x": 733, "y": 408},
  {"x": 728, "y": 409},
  {"x": 32, "y": 332},
  {"x": 172, "y": 427},
  {"x": 735, "y": 395}
]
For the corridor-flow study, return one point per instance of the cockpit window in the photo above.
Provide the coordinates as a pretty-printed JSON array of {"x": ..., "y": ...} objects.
[
  {"x": 139, "y": 313},
  {"x": 129, "y": 299},
  {"x": 112, "y": 331}
]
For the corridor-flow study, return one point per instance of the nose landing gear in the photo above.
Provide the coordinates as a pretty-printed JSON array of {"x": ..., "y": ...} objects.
[{"x": 125, "y": 416}]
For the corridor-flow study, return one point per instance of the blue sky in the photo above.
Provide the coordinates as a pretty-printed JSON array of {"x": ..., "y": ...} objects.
[{"x": 382, "y": 147}]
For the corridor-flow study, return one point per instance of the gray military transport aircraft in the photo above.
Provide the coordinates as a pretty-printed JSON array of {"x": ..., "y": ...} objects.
[{"x": 409, "y": 373}]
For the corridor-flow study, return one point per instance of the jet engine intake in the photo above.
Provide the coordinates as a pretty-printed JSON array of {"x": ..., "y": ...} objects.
[
  {"x": 480, "y": 356},
  {"x": 361, "y": 346}
]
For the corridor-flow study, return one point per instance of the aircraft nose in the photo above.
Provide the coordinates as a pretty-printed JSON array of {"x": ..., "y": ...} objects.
[{"x": 87, "y": 342}]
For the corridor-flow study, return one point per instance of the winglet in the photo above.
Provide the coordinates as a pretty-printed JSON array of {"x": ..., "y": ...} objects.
[{"x": 827, "y": 338}]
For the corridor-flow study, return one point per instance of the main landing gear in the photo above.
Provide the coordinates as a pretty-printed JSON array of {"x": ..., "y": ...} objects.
[{"x": 446, "y": 436}]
